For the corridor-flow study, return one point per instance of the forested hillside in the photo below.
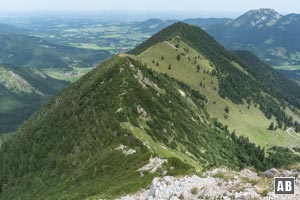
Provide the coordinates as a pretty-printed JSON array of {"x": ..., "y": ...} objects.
[
  {"x": 95, "y": 137},
  {"x": 22, "y": 92}
]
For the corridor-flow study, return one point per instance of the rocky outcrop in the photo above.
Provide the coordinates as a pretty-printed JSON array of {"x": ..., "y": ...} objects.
[
  {"x": 271, "y": 173},
  {"x": 141, "y": 111},
  {"x": 154, "y": 164},
  {"x": 219, "y": 183},
  {"x": 125, "y": 150}
]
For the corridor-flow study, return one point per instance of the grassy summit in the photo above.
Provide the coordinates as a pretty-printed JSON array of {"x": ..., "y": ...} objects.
[{"x": 253, "y": 92}]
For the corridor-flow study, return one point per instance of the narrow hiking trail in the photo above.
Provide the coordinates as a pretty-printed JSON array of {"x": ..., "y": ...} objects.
[{"x": 292, "y": 133}]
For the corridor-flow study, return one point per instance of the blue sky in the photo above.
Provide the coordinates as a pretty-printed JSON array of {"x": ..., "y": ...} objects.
[{"x": 283, "y": 6}]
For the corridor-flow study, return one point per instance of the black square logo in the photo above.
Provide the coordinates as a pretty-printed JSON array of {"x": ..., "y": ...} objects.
[{"x": 284, "y": 185}]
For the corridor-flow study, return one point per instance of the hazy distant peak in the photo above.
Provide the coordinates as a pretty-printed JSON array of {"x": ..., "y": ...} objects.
[
  {"x": 291, "y": 18},
  {"x": 153, "y": 20},
  {"x": 262, "y": 17},
  {"x": 266, "y": 11}
]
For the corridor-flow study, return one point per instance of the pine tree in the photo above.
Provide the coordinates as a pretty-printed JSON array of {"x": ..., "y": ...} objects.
[
  {"x": 198, "y": 68},
  {"x": 271, "y": 127},
  {"x": 226, "y": 109},
  {"x": 297, "y": 128},
  {"x": 280, "y": 124}
]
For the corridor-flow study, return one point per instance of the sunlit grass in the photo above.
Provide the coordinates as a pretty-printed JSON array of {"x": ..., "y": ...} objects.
[
  {"x": 67, "y": 75},
  {"x": 288, "y": 67},
  {"x": 244, "y": 120}
]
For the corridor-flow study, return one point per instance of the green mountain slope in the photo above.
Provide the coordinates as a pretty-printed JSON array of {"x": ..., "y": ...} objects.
[
  {"x": 255, "y": 94},
  {"x": 124, "y": 123},
  {"x": 93, "y": 139},
  {"x": 22, "y": 92},
  {"x": 22, "y": 50},
  {"x": 23, "y": 89}
]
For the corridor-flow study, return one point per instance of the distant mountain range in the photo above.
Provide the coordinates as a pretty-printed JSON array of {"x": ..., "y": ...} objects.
[
  {"x": 271, "y": 36},
  {"x": 152, "y": 26}
]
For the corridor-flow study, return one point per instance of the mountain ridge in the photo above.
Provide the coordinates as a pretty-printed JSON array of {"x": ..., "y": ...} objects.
[
  {"x": 111, "y": 132},
  {"x": 84, "y": 152},
  {"x": 223, "y": 75}
]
